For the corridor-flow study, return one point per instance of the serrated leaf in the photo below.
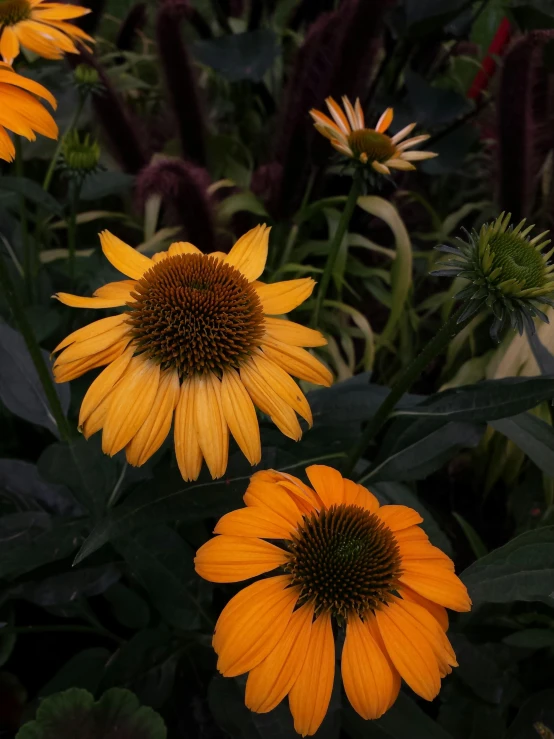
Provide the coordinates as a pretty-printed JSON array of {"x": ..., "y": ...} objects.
[{"x": 523, "y": 569}]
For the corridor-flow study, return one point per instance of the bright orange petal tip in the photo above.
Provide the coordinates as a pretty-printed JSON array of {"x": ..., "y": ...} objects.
[
  {"x": 327, "y": 541},
  {"x": 205, "y": 377}
]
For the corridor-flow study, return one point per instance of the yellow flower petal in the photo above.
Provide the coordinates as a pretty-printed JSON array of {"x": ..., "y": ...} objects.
[
  {"x": 240, "y": 415},
  {"x": 123, "y": 257},
  {"x": 237, "y": 558},
  {"x": 384, "y": 121},
  {"x": 104, "y": 384},
  {"x": 187, "y": 448},
  {"x": 210, "y": 424},
  {"x": 254, "y": 522},
  {"x": 293, "y": 333},
  {"x": 283, "y": 384},
  {"x": 282, "y": 297},
  {"x": 297, "y": 362},
  {"x": 249, "y": 254}
]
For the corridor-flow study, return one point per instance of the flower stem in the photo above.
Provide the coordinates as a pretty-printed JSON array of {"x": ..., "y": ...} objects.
[
  {"x": 28, "y": 266},
  {"x": 54, "y": 160},
  {"x": 41, "y": 367},
  {"x": 404, "y": 383},
  {"x": 334, "y": 249}
]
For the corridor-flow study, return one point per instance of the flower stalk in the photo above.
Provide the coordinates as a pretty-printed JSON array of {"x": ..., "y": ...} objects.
[
  {"x": 355, "y": 191},
  {"x": 451, "y": 328}
]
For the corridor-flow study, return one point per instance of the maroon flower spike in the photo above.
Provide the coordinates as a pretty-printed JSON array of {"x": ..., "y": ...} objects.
[
  {"x": 121, "y": 130},
  {"x": 182, "y": 187},
  {"x": 180, "y": 79},
  {"x": 133, "y": 23}
]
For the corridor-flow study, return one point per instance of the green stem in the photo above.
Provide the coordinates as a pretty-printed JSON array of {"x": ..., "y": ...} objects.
[
  {"x": 55, "y": 157},
  {"x": 34, "y": 350},
  {"x": 28, "y": 266},
  {"x": 72, "y": 227},
  {"x": 404, "y": 383},
  {"x": 334, "y": 249}
]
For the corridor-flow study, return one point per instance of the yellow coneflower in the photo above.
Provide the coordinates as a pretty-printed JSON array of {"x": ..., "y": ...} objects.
[
  {"x": 40, "y": 27},
  {"x": 342, "y": 557},
  {"x": 371, "y": 146},
  {"x": 198, "y": 337},
  {"x": 21, "y": 112}
]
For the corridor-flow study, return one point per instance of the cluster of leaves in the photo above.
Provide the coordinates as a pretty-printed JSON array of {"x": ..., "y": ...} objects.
[{"x": 97, "y": 587}]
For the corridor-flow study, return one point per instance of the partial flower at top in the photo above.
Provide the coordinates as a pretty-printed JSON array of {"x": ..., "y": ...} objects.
[
  {"x": 21, "y": 112},
  {"x": 370, "y": 146},
  {"x": 339, "y": 561},
  {"x": 198, "y": 337},
  {"x": 508, "y": 271},
  {"x": 40, "y": 27}
]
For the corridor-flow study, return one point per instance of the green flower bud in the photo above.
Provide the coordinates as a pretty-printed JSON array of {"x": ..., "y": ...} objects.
[
  {"x": 507, "y": 271},
  {"x": 87, "y": 79},
  {"x": 79, "y": 158}
]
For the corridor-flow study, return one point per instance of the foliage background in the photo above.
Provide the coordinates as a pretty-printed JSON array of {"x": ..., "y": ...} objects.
[{"x": 97, "y": 586}]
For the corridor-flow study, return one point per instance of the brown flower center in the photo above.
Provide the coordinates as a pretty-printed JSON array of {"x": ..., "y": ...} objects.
[
  {"x": 375, "y": 146},
  {"x": 195, "y": 314},
  {"x": 14, "y": 11},
  {"x": 345, "y": 560}
]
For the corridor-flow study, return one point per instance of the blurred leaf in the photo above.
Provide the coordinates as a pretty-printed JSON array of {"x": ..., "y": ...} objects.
[
  {"x": 23, "y": 481},
  {"x": 485, "y": 401},
  {"x": 31, "y": 540},
  {"x": 475, "y": 542},
  {"x": 533, "y": 14},
  {"x": 539, "y": 707},
  {"x": 84, "y": 468},
  {"x": 67, "y": 587},
  {"x": 434, "y": 106},
  {"x": 405, "y": 720},
  {"x": 478, "y": 670},
  {"x": 523, "y": 569},
  {"x": 146, "y": 664},
  {"x": 83, "y": 670},
  {"x": 395, "y": 493},
  {"x": 452, "y": 149},
  {"x": 401, "y": 272},
  {"x": 21, "y": 390},
  {"x": 44, "y": 321},
  {"x": 102, "y": 184},
  {"x": 533, "y": 436},
  {"x": 7, "y": 639},
  {"x": 128, "y": 607},
  {"x": 33, "y": 192},
  {"x": 73, "y": 713},
  {"x": 543, "y": 357},
  {"x": 163, "y": 563},
  {"x": 467, "y": 717},
  {"x": 240, "y": 56},
  {"x": 421, "y": 448},
  {"x": 531, "y": 639},
  {"x": 241, "y": 202}
]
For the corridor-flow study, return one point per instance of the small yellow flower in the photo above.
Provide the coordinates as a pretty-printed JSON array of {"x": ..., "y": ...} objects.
[
  {"x": 40, "y": 27},
  {"x": 21, "y": 112},
  {"x": 339, "y": 561},
  {"x": 372, "y": 146},
  {"x": 198, "y": 340}
]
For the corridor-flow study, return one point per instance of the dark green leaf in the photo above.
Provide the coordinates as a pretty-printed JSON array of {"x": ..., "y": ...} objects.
[
  {"x": 22, "y": 481},
  {"x": 128, "y": 607},
  {"x": 102, "y": 184},
  {"x": 539, "y": 707},
  {"x": 478, "y": 669},
  {"x": 82, "y": 466},
  {"x": 543, "y": 357},
  {"x": 21, "y": 390},
  {"x": 65, "y": 588},
  {"x": 7, "y": 639},
  {"x": 405, "y": 720},
  {"x": 32, "y": 192},
  {"x": 240, "y": 56},
  {"x": 531, "y": 639},
  {"x": 475, "y": 542},
  {"x": 485, "y": 401},
  {"x": 31, "y": 540},
  {"x": 434, "y": 106},
  {"x": 467, "y": 717},
  {"x": 163, "y": 563},
  {"x": 533, "y": 436},
  {"x": 83, "y": 670},
  {"x": 533, "y": 14},
  {"x": 73, "y": 713},
  {"x": 523, "y": 569}
]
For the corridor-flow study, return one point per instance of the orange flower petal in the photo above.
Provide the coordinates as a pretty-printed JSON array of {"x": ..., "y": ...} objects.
[
  {"x": 254, "y": 521},
  {"x": 249, "y": 254},
  {"x": 124, "y": 258},
  {"x": 240, "y": 415},
  {"x": 236, "y": 558},
  {"x": 327, "y": 482},
  {"x": 187, "y": 448},
  {"x": 398, "y": 517}
]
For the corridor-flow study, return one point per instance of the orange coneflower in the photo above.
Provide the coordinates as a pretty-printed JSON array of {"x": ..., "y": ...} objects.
[
  {"x": 40, "y": 27},
  {"x": 21, "y": 112},
  {"x": 342, "y": 558},
  {"x": 370, "y": 146},
  {"x": 198, "y": 336}
]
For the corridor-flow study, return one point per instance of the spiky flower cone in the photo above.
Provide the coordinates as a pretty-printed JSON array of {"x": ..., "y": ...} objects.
[{"x": 508, "y": 273}]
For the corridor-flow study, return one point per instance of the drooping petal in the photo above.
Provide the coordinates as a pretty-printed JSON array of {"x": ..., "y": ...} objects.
[
  {"x": 297, "y": 362},
  {"x": 278, "y": 298},
  {"x": 438, "y": 584},
  {"x": 271, "y": 680},
  {"x": 117, "y": 290},
  {"x": 328, "y": 484},
  {"x": 283, "y": 384},
  {"x": 438, "y": 612},
  {"x": 240, "y": 415},
  {"x": 124, "y": 258},
  {"x": 72, "y": 370},
  {"x": 366, "y": 673},
  {"x": 131, "y": 403},
  {"x": 252, "y": 624},
  {"x": 8, "y": 75},
  {"x": 271, "y": 496},
  {"x": 254, "y": 521},
  {"x": 9, "y": 45},
  {"x": 155, "y": 428},
  {"x": 77, "y": 301},
  {"x": 90, "y": 330},
  {"x": 310, "y": 695},
  {"x": 104, "y": 384},
  {"x": 236, "y": 558},
  {"x": 187, "y": 448},
  {"x": 249, "y": 254},
  {"x": 96, "y": 343},
  {"x": 293, "y": 333},
  {"x": 211, "y": 427}
]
